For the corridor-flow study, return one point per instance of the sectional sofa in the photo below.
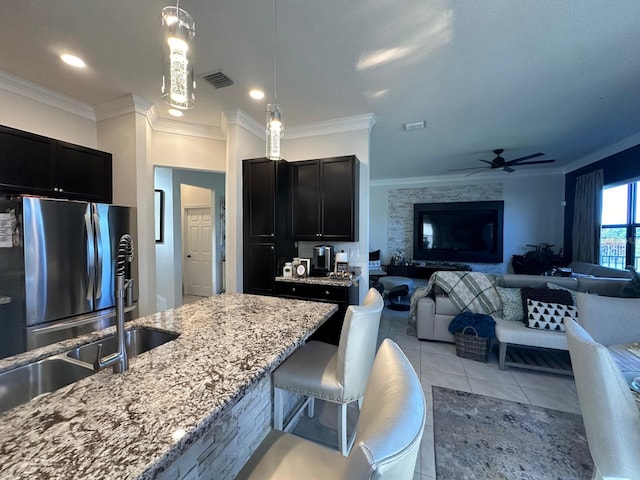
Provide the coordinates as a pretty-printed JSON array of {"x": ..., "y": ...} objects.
[{"x": 435, "y": 311}]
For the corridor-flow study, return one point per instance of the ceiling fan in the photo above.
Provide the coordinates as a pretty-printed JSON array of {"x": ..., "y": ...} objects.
[{"x": 499, "y": 163}]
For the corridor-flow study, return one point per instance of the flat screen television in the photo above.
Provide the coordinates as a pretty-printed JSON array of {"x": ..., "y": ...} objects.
[{"x": 458, "y": 231}]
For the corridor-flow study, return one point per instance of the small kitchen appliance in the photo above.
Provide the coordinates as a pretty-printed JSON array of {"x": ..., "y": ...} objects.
[{"x": 322, "y": 260}]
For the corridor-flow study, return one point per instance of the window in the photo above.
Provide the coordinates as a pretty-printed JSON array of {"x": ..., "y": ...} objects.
[{"x": 620, "y": 226}]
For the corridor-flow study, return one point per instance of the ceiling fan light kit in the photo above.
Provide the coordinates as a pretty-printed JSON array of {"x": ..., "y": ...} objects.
[{"x": 499, "y": 163}]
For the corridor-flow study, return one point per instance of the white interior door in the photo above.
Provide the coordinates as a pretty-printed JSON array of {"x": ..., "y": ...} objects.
[{"x": 199, "y": 243}]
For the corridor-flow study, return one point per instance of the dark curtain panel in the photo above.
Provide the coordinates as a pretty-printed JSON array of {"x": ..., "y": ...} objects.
[{"x": 587, "y": 217}]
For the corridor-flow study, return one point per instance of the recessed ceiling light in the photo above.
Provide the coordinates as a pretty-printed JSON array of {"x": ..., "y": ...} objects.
[
  {"x": 256, "y": 94},
  {"x": 175, "y": 112},
  {"x": 73, "y": 60}
]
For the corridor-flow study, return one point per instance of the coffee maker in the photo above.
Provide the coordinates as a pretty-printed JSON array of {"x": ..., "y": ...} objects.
[{"x": 322, "y": 262}]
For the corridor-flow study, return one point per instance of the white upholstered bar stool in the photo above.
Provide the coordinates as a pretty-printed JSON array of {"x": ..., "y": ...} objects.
[
  {"x": 333, "y": 373},
  {"x": 609, "y": 412},
  {"x": 388, "y": 436}
]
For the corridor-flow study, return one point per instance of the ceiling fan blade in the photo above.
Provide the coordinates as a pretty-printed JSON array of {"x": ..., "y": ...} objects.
[
  {"x": 536, "y": 162},
  {"x": 522, "y": 159},
  {"x": 508, "y": 169},
  {"x": 468, "y": 168},
  {"x": 485, "y": 161}
]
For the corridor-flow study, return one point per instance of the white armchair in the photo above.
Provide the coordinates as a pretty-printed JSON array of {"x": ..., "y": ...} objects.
[
  {"x": 609, "y": 412},
  {"x": 609, "y": 320}
]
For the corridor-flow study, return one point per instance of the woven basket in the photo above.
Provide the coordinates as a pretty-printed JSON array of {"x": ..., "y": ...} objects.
[{"x": 472, "y": 346}]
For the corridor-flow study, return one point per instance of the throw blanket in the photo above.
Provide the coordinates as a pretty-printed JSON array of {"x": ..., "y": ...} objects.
[{"x": 469, "y": 291}]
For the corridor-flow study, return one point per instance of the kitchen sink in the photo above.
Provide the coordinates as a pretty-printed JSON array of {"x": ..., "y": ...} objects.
[
  {"x": 138, "y": 340},
  {"x": 24, "y": 383}
]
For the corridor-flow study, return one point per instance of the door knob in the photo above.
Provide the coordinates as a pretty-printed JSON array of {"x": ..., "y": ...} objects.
[{"x": 188, "y": 256}]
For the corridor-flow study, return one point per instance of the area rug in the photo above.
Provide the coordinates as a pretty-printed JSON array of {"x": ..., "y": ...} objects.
[{"x": 480, "y": 438}]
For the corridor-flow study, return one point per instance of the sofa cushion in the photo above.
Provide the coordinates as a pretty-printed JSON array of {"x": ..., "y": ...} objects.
[
  {"x": 518, "y": 334},
  {"x": 547, "y": 295},
  {"x": 512, "y": 309},
  {"x": 518, "y": 281},
  {"x": 553, "y": 286},
  {"x": 596, "y": 270},
  {"x": 609, "y": 287},
  {"x": 549, "y": 316},
  {"x": 444, "y": 306}
]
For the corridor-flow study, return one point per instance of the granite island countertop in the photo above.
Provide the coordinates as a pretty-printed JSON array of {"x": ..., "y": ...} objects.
[{"x": 134, "y": 425}]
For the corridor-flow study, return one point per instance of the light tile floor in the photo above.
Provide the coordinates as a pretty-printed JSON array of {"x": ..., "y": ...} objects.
[{"x": 436, "y": 363}]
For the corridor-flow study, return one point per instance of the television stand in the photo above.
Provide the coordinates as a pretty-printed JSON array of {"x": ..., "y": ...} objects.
[{"x": 420, "y": 271}]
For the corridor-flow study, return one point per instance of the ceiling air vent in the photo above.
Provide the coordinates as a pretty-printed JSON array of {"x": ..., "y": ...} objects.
[{"x": 217, "y": 79}]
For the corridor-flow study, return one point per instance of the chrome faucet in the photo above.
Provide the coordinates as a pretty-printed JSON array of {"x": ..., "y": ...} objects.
[{"x": 124, "y": 292}]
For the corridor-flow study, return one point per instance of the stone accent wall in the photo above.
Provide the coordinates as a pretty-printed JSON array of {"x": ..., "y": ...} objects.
[
  {"x": 401, "y": 201},
  {"x": 225, "y": 448},
  {"x": 230, "y": 441}
]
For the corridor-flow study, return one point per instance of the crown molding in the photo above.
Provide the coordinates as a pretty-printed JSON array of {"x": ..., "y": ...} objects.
[
  {"x": 462, "y": 178},
  {"x": 134, "y": 104},
  {"x": 236, "y": 116},
  {"x": 152, "y": 116},
  {"x": 189, "y": 129},
  {"x": 328, "y": 127},
  {"x": 33, "y": 91},
  {"x": 123, "y": 105},
  {"x": 624, "y": 144}
]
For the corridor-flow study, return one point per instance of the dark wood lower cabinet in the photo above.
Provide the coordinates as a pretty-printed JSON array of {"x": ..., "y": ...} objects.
[{"x": 344, "y": 296}]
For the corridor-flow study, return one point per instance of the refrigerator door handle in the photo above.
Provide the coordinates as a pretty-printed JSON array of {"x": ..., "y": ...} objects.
[
  {"x": 90, "y": 256},
  {"x": 96, "y": 222},
  {"x": 77, "y": 322}
]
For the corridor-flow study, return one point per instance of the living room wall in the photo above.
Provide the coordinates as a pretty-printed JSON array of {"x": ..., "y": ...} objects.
[{"x": 533, "y": 211}]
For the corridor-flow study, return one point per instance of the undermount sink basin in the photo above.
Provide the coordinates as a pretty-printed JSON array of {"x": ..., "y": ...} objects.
[
  {"x": 24, "y": 383},
  {"x": 138, "y": 340}
]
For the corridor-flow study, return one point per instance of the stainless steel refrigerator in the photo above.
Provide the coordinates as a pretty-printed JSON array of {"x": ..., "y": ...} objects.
[{"x": 57, "y": 269}]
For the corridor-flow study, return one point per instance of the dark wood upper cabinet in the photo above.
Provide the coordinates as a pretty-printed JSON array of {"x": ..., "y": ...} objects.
[
  {"x": 324, "y": 199},
  {"x": 82, "y": 172},
  {"x": 37, "y": 165},
  {"x": 267, "y": 243},
  {"x": 259, "y": 200},
  {"x": 26, "y": 162}
]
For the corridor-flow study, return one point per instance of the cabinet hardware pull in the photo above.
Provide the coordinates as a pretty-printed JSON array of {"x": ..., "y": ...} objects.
[
  {"x": 327, "y": 292},
  {"x": 272, "y": 247},
  {"x": 293, "y": 289}
]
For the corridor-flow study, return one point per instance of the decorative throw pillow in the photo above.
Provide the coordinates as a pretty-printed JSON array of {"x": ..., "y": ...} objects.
[
  {"x": 549, "y": 316},
  {"x": 511, "y": 304},
  {"x": 553, "y": 286},
  {"x": 545, "y": 295}
]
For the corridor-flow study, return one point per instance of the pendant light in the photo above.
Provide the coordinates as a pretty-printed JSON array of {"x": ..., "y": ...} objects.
[
  {"x": 275, "y": 129},
  {"x": 178, "y": 84}
]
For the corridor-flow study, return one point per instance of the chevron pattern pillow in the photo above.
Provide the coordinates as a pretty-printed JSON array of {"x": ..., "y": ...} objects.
[{"x": 549, "y": 316}]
